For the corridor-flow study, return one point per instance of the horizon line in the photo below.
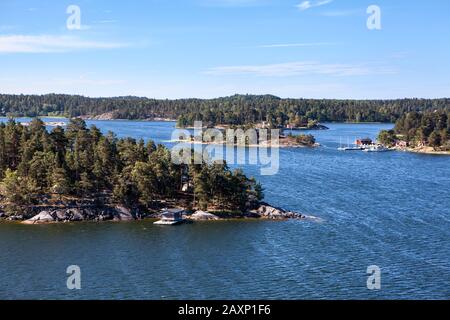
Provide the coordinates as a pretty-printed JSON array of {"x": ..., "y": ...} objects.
[{"x": 219, "y": 97}]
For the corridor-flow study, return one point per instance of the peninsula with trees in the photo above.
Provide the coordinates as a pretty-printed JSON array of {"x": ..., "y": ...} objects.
[{"x": 421, "y": 132}]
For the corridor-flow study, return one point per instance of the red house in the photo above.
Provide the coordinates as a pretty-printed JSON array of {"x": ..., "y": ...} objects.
[{"x": 364, "y": 142}]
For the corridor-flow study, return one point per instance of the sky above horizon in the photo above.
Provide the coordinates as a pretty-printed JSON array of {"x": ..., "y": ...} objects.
[{"x": 211, "y": 48}]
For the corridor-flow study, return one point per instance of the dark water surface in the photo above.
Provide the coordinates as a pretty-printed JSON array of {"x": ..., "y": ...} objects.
[{"x": 386, "y": 209}]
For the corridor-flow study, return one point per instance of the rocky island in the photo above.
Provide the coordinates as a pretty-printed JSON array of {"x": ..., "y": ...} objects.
[{"x": 245, "y": 137}]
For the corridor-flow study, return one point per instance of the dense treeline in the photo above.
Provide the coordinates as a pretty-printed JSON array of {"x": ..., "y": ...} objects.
[
  {"x": 421, "y": 129},
  {"x": 37, "y": 166},
  {"x": 234, "y": 110}
]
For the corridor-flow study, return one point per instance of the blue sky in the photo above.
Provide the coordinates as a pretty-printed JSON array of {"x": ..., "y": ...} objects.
[{"x": 211, "y": 48}]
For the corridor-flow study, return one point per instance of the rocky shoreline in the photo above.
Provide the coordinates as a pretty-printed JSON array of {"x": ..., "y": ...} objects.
[
  {"x": 317, "y": 127},
  {"x": 423, "y": 150},
  {"x": 110, "y": 116},
  {"x": 48, "y": 215}
]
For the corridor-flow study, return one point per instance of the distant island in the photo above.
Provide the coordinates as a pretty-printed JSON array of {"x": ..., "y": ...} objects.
[
  {"x": 79, "y": 174},
  {"x": 421, "y": 132},
  {"x": 284, "y": 141}
]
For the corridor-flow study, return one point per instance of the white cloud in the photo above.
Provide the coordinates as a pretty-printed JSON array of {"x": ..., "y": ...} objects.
[
  {"x": 50, "y": 43},
  {"x": 301, "y": 69},
  {"x": 305, "y": 5},
  {"x": 106, "y": 21},
  {"x": 85, "y": 27},
  {"x": 400, "y": 55},
  {"x": 294, "y": 45},
  {"x": 233, "y": 3},
  {"x": 342, "y": 13}
]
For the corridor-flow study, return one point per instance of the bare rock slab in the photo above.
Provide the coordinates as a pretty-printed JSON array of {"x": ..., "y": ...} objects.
[
  {"x": 43, "y": 217},
  {"x": 203, "y": 216}
]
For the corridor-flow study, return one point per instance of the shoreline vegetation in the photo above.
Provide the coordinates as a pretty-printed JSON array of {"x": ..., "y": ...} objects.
[
  {"x": 109, "y": 116},
  {"x": 80, "y": 174},
  {"x": 424, "y": 133},
  {"x": 236, "y": 110},
  {"x": 423, "y": 150}
]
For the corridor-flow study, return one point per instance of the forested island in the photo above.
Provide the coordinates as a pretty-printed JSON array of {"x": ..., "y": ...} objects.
[
  {"x": 426, "y": 132},
  {"x": 78, "y": 173},
  {"x": 235, "y": 110},
  {"x": 250, "y": 139}
]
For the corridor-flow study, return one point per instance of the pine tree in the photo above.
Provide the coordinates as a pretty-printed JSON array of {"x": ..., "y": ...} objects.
[
  {"x": 125, "y": 191},
  {"x": 18, "y": 191},
  {"x": 85, "y": 185},
  {"x": 3, "y": 159},
  {"x": 40, "y": 169},
  {"x": 59, "y": 142},
  {"x": 12, "y": 144},
  {"x": 202, "y": 188},
  {"x": 435, "y": 139},
  {"x": 60, "y": 183},
  {"x": 146, "y": 182}
]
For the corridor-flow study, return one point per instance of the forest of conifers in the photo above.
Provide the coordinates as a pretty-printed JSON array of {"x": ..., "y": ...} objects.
[
  {"x": 426, "y": 128},
  {"x": 234, "y": 110},
  {"x": 81, "y": 162}
]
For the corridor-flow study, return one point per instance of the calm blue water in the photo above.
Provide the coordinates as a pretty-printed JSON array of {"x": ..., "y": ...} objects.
[{"x": 386, "y": 209}]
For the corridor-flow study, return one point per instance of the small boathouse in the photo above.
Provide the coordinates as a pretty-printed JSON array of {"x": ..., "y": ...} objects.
[{"x": 170, "y": 217}]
